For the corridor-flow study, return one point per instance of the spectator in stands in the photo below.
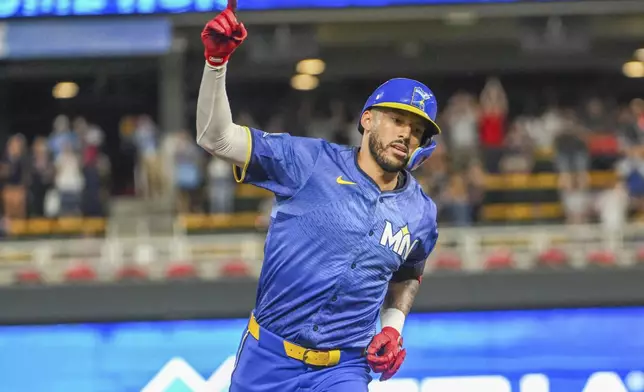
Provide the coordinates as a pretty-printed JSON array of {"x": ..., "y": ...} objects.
[
  {"x": 456, "y": 201},
  {"x": 476, "y": 188},
  {"x": 612, "y": 207},
  {"x": 221, "y": 188},
  {"x": 80, "y": 129},
  {"x": 41, "y": 178},
  {"x": 69, "y": 181},
  {"x": 631, "y": 171},
  {"x": 636, "y": 120},
  {"x": 595, "y": 118},
  {"x": 146, "y": 139},
  {"x": 61, "y": 135},
  {"x": 571, "y": 155},
  {"x": 637, "y": 107},
  {"x": 96, "y": 170},
  {"x": 433, "y": 176},
  {"x": 90, "y": 134},
  {"x": 15, "y": 177},
  {"x": 492, "y": 121},
  {"x": 572, "y": 163},
  {"x": 601, "y": 138},
  {"x": 629, "y": 133},
  {"x": 544, "y": 129},
  {"x": 188, "y": 176},
  {"x": 576, "y": 205},
  {"x": 461, "y": 117},
  {"x": 517, "y": 156}
]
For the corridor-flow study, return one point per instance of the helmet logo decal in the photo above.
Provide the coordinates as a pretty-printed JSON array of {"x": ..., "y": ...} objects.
[{"x": 419, "y": 97}]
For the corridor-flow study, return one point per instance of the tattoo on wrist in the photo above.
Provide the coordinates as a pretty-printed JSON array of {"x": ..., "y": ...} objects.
[{"x": 401, "y": 295}]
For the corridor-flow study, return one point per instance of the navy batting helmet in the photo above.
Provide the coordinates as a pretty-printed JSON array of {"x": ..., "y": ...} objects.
[{"x": 414, "y": 97}]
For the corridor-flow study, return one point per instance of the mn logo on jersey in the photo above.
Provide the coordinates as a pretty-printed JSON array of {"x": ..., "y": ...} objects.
[
  {"x": 400, "y": 242},
  {"x": 419, "y": 97}
]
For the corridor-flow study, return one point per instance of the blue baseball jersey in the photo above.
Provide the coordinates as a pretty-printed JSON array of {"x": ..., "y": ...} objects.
[{"x": 334, "y": 241}]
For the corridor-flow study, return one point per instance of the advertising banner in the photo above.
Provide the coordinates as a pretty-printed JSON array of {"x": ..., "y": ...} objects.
[
  {"x": 48, "y": 8},
  {"x": 85, "y": 38},
  {"x": 555, "y": 350}
]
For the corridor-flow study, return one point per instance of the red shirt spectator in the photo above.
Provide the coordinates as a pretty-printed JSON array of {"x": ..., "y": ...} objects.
[
  {"x": 492, "y": 129},
  {"x": 493, "y": 114}
]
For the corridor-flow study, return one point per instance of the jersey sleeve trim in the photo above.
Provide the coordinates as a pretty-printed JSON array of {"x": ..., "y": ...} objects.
[{"x": 240, "y": 176}]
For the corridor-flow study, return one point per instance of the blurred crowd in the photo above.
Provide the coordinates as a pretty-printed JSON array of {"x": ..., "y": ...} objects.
[
  {"x": 68, "y": 173},
  {"x": 62, "y": 174},
  {"x": 173, "y": 164},
  {"x": 481, "y": 135}
]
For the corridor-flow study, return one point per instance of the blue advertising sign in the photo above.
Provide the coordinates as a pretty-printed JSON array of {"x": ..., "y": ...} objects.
[
  {"x": 87, "y": 38},
  {"x": 41, "y": 8},
  {"x": 571, "y": 350}
]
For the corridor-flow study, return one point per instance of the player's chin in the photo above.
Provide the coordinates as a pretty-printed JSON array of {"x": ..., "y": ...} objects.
[{"x": 394, "y": 163}]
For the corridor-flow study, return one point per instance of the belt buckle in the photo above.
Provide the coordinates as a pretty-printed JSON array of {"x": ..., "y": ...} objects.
[{"x": 305, "y": 357}]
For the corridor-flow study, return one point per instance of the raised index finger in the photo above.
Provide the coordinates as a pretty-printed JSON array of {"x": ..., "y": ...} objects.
[{"x": 232, "y": 5}]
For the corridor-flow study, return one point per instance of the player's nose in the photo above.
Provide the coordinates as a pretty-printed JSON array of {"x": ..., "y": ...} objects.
[{"x": 404, "y": 131}]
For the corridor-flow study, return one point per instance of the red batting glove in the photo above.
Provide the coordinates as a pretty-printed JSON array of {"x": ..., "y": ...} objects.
[
  {"x": 223, "y": 35},
  {"x": 385, "y": 353}
]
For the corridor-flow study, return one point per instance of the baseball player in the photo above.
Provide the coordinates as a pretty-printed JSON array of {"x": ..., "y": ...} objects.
[{"x": 349, "y": 234}]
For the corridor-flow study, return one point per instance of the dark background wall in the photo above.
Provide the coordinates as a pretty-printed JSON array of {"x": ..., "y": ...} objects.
[{"x": 235, "y": 298}]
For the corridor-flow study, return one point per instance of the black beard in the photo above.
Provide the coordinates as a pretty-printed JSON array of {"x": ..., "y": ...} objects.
[{"x": 377, "y": 151}]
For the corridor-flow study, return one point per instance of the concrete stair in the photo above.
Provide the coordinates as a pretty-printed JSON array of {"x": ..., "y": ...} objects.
[{"x": 133, "y": 217}]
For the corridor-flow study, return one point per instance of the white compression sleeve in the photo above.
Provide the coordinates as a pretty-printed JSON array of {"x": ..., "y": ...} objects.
[
  {"x": 394, "y": 318},
  {"x": 216, "y": 132}
]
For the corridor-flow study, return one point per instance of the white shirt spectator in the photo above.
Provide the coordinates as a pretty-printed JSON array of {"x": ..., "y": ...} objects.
[
  {"x": 463, "y": 129},
  {"x": 552, "y": 123},
  {"x": 218, "y": 169},
  {"x": 612, "y": 208},
  {"x": 69, "y": 177}
]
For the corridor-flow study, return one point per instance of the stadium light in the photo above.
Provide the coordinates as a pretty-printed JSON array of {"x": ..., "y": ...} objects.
[
  {"x": 639, "y": 54},
  {"x": 65, "y": 90},
  {"x": 304, "y": 82},
  {"x": 310, "y": 67},
  {"x": 634, "y": 69}
]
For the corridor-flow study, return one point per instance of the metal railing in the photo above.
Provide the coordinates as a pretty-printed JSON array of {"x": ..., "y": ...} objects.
[{"x": 209, "y": 252}]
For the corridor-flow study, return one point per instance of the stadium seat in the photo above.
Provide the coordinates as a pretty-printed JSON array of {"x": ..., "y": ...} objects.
[
  {"x": 81, "y": 272},
  {"x": 639, "y": 255},
  {"x": 28, "y": 276},
  {"x": 131, "y": 272},
  {"x": 181, "y": 271},
  {"x": 553, "y": 257},
  {"x": 235, "y": 268},
  {"x": 499, "y": 260},
  {"x": 448, "y": 262},
  {"x": 602, "y": 258}
]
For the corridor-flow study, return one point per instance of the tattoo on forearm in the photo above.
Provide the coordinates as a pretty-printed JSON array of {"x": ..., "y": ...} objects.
[{"x": 401, "y": 295}]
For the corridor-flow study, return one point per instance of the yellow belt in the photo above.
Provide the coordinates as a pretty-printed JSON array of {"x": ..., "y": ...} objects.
[{"x": 308, "y": 356}]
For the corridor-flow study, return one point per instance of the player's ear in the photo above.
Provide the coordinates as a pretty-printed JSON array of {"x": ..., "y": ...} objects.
[{"x": 367, "y": 120}]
